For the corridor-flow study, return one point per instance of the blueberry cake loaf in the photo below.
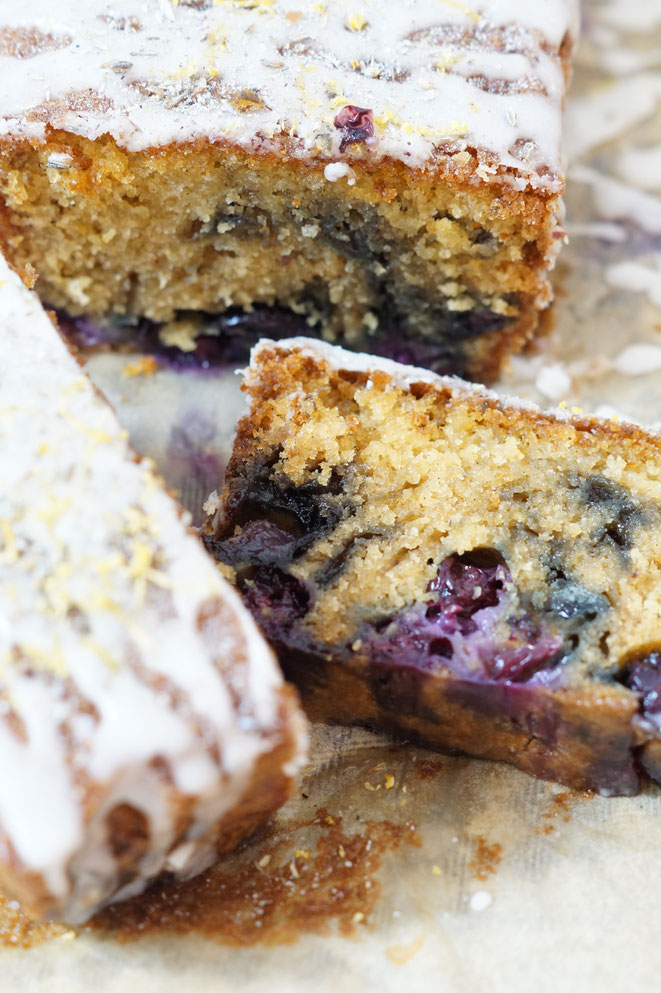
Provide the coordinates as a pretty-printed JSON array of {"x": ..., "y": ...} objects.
[
  {"x": 144, "y": 725},
  {"x": 468, "y": 573},
  {"x": 389, "y": 172}
]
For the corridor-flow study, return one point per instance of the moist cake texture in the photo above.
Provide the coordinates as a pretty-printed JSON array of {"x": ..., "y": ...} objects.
[
  {"x": 144, "y": 725},
  {"x": 433, "y": 560},
  {"x": 392, "y": 172}
]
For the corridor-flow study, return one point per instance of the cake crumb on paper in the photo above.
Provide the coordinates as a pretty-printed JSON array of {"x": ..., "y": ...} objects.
[
  {"x": 144, "y": 366},
  {"x": 401, "y": 954}
]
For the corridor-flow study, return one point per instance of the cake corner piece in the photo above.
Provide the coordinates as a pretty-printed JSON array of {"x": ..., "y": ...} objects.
[
  {"x": 144, "y": 724},
  {"x": 463, "y": 570}
]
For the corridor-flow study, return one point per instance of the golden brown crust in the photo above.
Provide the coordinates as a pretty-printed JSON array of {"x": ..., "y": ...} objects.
[{"x": 277, "y": 378}]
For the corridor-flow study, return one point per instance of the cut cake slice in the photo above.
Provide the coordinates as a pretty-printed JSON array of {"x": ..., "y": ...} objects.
[
  {"x": 463, "y": 570},
  {"x": 144, "y": 725},
  {"x": 391, "y": 172}
]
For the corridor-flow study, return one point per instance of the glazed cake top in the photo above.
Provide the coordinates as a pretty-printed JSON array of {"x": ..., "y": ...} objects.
[
  {"x": 120, "y": 643},
  {"x": 440, "y": 76}
]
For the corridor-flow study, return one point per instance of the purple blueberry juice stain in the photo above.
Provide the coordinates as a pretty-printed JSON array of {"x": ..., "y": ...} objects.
[
  {"x": 224, "y": 341},
  {"x": 260, "y": 543},
  {"x": 86, "y": 334},
  {"x": 443, "y": 352},
  {"x": 466, "y": 628},
  {"x": 643, "y": 676},
  {"x": 192, "y": 444},
  {"x": 495, "y": 660},
  {"x": 277, "y": 599},
  {"x": 194, "y": 458}
]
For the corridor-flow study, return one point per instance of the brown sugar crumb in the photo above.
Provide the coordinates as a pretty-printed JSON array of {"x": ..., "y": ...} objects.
[
  {"x": 145, "y": 366},
  {"x": 246, "y": 100},
  {"x": 564, "y": 802},
  {"x": 19, "y": 931},
  {"x": 429, "y": 769},
  {"x": 486, "y": 859},
  {"x": 25, "y": 43},
  {"x": 412, "y": 836},
  {"x": 273, "y": 896},
  {"x": 561, "y": 808}
]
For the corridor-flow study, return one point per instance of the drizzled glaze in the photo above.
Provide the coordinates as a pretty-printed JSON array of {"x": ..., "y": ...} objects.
[
  {"x": 129, "y": 671},
  {"x": 440, "y": 76}
]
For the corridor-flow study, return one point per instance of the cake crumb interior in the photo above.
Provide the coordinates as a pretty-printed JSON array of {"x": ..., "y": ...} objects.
[{"x": 573, "y": 509}]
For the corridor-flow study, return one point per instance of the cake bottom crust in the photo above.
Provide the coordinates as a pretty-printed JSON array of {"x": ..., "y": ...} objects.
[{"x": 583, "y": 739}]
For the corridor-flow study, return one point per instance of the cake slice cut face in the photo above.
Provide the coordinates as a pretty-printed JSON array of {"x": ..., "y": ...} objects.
[
  {"x": 393, "y": 175},
  {"x": 144, "y": 725},
  {"x": 463, "y": 571}
]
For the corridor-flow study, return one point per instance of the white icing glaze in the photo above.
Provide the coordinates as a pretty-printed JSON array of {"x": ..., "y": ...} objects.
[
  {"x": 252, "y": 72},
  {"x": 341, "y": 358},
  {"x": 104, "y": 667}
]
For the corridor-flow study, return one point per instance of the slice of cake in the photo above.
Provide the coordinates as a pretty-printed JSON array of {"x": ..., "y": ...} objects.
[
  {"x": 469, "y": 573},
  {"x": 392, "y": 172},
  {"x": 144, "y": 725}
]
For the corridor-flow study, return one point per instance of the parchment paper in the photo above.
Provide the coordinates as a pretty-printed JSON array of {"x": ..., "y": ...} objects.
[{"x": 491, "y": 880}]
